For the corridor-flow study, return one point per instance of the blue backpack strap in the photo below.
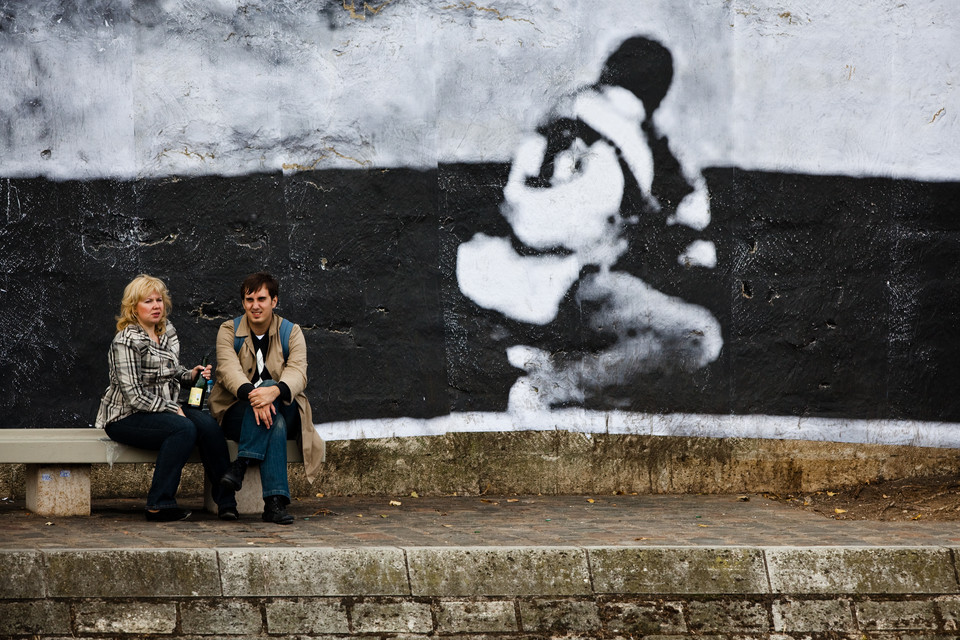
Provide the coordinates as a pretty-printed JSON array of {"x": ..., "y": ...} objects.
[
  {"x": 237, "y": 340},
  {"x": 285, "y": 328}
]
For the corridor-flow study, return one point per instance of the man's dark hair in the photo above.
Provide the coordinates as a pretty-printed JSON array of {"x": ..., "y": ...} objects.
[{"x": 253, "y": 282}]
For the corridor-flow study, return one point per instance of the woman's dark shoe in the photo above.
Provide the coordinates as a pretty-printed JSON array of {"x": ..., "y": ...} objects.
[
  {"x": 228, "y": 513},
  {"x": 167, "y": 515},
  {"x": 233, "y": 478},
  {"x": 274, "y": 510}
]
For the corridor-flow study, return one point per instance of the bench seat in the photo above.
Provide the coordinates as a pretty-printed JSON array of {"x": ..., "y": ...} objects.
[{"x": 58, "y": 467}]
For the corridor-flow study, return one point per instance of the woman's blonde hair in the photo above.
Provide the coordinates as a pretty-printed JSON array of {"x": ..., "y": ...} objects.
[{"x": 138, "y": 289}]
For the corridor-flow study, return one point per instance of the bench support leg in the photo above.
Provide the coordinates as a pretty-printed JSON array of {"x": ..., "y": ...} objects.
[
  {"x": 249, "y": 498},
  {"x": 58, "y": 490}
]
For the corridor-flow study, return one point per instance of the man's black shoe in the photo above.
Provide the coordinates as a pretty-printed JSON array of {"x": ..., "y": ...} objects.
[
  {"x": 229, "y": 513},
  {"x": 233, "y": 478},
  {"x": 274, "y": 510}
]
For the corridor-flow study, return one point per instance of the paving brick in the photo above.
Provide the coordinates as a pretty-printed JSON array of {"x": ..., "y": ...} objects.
[
  {"x": 919, "y": 615},
  {"x": 488, "y": 616},
  {"x": 313, "y": 572},
  {"x": 224, "y": 616},
  {"x": 559, "y": 616},
  {"x": 644, "y": 618},
  {"x": 307, "y": 616},
  {"x": 861, "y": 570},
  {"x": 502, "y": 571},
  {"x": 391, "y": 616},
  {"x": 27, "y": 566},
  {"x": 726, "y": 616},
  {"x": 813, "y": 616},
  {"x": 132, "y": 573},
  {"x": 126, "y": 617},
  {"x": 680, "y": 570},
  {"x": 41, "y": 617}
]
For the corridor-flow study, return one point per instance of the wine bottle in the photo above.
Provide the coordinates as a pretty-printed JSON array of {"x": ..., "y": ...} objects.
[{"x": 198, "y": 392}]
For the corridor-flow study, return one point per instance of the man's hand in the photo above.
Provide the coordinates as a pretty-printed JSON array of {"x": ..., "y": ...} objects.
[
  {"x": 264, "y": 415},
  {"x": 262, "y": 399}
]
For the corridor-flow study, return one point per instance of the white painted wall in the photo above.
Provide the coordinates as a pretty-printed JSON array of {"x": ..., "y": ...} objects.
[{"x": 191, "y": 88}]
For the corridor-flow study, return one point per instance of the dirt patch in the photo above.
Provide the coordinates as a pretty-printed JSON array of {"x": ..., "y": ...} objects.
[{"x": 934, "y": 499}]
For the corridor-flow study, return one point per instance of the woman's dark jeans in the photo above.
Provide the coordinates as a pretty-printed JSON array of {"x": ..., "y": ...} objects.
[{"x": 174, "y": 437}]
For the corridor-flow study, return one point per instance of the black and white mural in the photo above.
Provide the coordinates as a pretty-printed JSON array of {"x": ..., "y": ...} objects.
[{"x": 681, "y": 218}]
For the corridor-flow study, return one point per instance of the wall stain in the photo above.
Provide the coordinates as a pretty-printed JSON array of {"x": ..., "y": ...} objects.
[
  {"x": 296, "y": 166},
  {"x": 351, "y": 8},
  {"x": 937, "y": 115},
  {"x": 496, "y": 12}
]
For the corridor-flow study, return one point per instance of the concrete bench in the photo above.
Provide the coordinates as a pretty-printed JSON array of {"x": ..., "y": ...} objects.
[{"x": 58, "y": 467}]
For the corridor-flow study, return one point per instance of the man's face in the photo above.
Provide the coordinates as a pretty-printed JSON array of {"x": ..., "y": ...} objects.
[{"x": 259, "y": 308}]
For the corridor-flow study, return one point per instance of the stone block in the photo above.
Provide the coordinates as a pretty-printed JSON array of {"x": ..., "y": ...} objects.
[
  {"x": 727, "y": 616},
  {"x": 804, "y": 616},
  {"x": 644, "y": 618},
  {"x": 861, "y": 570},
  {"x": 499, "y": 571},
  {"x": 132, "y": 573},
  {"x": 949, "y": 607},
  {"x": 38, "y": 617},
  {"x": 27, "y": 567},
  {"x": 487, "y": 616},
  {"x": 681, "y": 570},
  {"x": 126, "y": 617},
  {"x": 391, "y": 616},
  {"x": 307, "y": 616},
  {"x": 314, "y": 572},
  {"x": 221, "y": 617},
  {"x": 559, "y": 616},
  {"x": 900, "y": 615},
  {"x": 58, "y": 490}
]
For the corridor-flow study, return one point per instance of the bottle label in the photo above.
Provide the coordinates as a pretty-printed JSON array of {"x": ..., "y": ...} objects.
[{"x": 196, "y": 396}]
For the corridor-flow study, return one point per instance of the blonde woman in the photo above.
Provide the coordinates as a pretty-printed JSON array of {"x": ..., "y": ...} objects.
[{"x": 140, "y": 408}]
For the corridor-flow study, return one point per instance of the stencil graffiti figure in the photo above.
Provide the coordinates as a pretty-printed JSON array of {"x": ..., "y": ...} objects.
[{"x": 582, "y": 191}]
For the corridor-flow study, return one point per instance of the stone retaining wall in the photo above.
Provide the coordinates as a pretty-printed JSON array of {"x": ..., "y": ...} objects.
[{"x": 530, "y": 592}]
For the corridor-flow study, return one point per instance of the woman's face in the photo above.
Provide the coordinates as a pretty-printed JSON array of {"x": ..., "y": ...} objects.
[{"x": 150, "y": 309}]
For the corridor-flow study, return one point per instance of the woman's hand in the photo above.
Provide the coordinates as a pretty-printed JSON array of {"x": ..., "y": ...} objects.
[{"x": 202, "y": 370}]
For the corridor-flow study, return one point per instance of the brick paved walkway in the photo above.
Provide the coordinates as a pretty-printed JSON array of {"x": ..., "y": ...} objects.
[{"x": 471, "y": 521}]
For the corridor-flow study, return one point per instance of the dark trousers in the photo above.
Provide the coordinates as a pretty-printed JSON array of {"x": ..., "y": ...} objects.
[
  {"x": 269, "y": 446},
  {"x": 173, "y": 438}
]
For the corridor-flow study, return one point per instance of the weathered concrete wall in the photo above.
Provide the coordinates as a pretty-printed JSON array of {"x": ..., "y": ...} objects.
[
  {"x": 502, "y": 216},
  {"x": 564, "y": 463},
  {"x": 530, "y": 592}
]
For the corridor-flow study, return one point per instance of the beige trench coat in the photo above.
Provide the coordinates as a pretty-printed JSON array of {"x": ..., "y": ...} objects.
[{"x": 236, "y": 369}]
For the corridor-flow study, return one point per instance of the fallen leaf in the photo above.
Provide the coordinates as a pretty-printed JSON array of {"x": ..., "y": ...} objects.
[
  {"x": 513, "y": 500},
  {"x": 743, "y": 498},
  {"x": 359, "y": 515},
  {"x": 446, "y": 525},
  {"x": 319, "y": 495},
  {"x": 885, "y": 496},
  {"x": 831, "y": 493},
  {"x": 49, "y": 524},
  {"x": 839, "y": 510},
  {"x": 703, "y": 525},
  {"x": 488, "y": 501},
  {"x": 591, "y": 500},
  {"x": 917, "y": 517},
  {"x": 382, "y": 516},
  {"x": 395, "y": 503},
  {"x": 414, "y": 494}
]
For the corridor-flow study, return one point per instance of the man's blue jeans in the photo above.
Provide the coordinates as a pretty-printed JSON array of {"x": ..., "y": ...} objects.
[
  {"x": 267, "y": 445},
  {"x": 174, "y": 437}
]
